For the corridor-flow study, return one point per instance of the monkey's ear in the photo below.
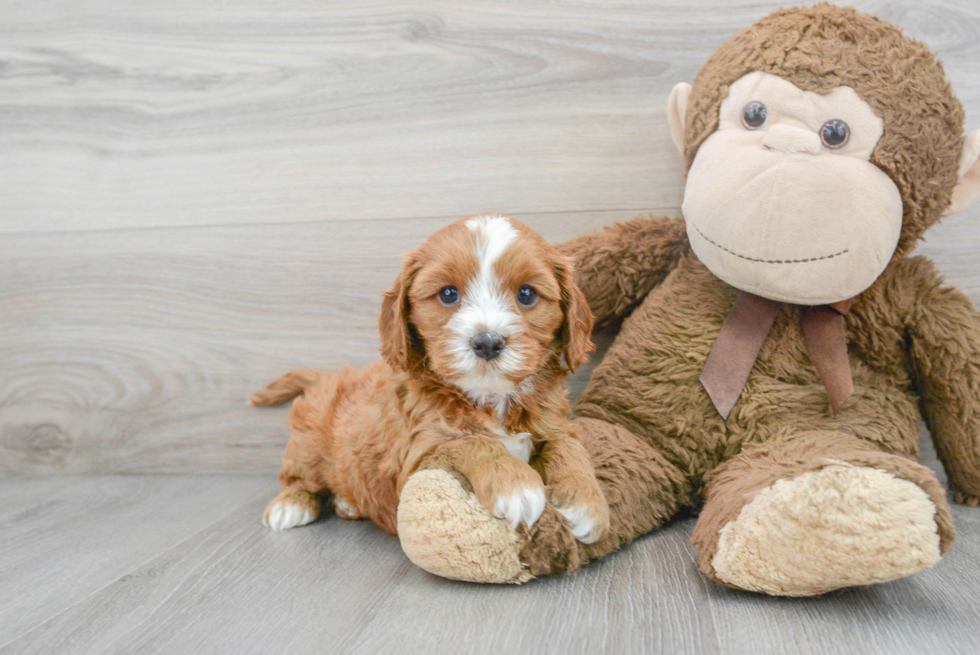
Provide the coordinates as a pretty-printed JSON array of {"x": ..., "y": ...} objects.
[
  {"x": 676, "y": 109},
  {"x": 967, "y": 190}
]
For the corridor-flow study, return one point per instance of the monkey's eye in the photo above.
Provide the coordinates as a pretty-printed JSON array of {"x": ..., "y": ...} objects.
[
  {"x": 754, "y": 115},
  {"x": 449, "y": 296},
  {"x": 835, "y": 133},
  {"x": 527, "y": 296}
]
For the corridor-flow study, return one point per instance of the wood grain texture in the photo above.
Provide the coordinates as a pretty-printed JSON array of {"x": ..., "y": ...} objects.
[
  {"x": 197, "y": 198},
  {"x": 194, "y": 113},
  {"x": 64, "y": 538},
  {"x": 345, "y": 587}
]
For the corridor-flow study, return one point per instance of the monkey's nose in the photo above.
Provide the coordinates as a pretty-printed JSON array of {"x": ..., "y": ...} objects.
[
  {"x": 487, "y": 345},
  {"x": 786, "y": 138}
]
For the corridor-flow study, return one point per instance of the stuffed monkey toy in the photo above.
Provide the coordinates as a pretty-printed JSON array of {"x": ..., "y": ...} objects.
[{"x": 780, "y": 344}]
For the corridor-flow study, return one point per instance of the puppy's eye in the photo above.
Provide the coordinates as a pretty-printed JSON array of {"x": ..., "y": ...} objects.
[
  {"x": 449, "y": 295},
  {"x": 754, "y": 115},
  {"x": 835, "y": 133},
  {"x": 527, "y": 296}
]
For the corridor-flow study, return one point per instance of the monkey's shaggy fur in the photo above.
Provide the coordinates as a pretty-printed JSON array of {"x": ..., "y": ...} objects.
[{"x": 659, "y": 445}]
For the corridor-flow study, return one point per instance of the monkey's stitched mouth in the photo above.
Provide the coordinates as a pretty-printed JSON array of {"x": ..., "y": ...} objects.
[{"x": 767, "y": 261}]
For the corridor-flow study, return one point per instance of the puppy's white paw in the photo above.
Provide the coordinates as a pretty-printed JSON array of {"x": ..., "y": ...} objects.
[
  {"x": 285, "y": 515},
  {"x": 523, "y": 506},
  {"x": 518, "y": 445},
  {"x": 584, "y": 526}
]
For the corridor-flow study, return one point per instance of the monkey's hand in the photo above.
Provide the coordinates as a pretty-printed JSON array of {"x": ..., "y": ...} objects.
[
  {"x": 618, "y": 267},
  {"x": 944, "y": 331},
  {"x": 964, "y": 498}
]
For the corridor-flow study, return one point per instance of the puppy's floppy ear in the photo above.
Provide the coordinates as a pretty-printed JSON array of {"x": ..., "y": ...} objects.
[
  {"x": 401, "y": 345},
  {"x": 575, "y": 334}
]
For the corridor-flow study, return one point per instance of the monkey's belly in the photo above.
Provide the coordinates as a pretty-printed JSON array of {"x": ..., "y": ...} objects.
[{"x": 648, "y": 383}]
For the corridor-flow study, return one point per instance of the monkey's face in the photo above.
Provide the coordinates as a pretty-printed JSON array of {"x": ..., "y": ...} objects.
[{"x": 783, "y": 200}]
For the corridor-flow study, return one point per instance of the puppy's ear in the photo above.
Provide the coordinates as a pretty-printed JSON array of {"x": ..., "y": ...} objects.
[
  {"x": 401, "y": 345},
  {"x": 575, "y": 334}
]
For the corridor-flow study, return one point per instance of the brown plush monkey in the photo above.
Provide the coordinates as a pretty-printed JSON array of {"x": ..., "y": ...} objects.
[{"x": 781, "y": 344}]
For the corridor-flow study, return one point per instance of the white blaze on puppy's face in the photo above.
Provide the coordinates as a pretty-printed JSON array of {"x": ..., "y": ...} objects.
[
  {"x": 471, "y": 275},
  {"x": 486, "y": 307}
]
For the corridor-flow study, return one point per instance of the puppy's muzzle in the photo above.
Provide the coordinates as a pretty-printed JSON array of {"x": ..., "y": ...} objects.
[{"x": 487, "y": 345}]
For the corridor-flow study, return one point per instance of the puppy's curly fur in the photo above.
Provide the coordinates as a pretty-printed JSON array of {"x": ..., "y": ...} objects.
[{"x": 438, "y": 400}]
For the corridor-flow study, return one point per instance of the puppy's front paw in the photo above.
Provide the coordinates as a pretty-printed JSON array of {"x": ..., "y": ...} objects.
[
  {"x": 511, "y": 490},
  {"x": 587, "y": 524},
  {"x": 583, "y": 506},
  {"x": 522, "y": 506}
]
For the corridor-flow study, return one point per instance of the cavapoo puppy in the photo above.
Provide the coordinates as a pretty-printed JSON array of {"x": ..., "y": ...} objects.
[{"x": 473, "y": 336}]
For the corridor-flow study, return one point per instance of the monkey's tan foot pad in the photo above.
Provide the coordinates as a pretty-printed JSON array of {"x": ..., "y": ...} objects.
[
  {"x": 838, "y": 527},
  {"x": 446, "y": 531}
]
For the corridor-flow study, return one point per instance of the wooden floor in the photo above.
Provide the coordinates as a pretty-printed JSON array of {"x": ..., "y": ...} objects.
[
  {"x": 196, "y": 197},
  {"x": 181, "y": 564}
]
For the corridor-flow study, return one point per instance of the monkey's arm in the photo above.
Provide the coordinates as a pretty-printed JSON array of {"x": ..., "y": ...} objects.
[
  {"x": 945, "y": 350},
  {"x": 618, "y": 267}
]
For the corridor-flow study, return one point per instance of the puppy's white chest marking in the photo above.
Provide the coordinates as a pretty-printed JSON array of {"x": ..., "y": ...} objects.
[{"x": 518, "y": 445}]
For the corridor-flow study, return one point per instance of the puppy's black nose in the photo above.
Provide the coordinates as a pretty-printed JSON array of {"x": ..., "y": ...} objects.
[{"x": 487, "y": 345}]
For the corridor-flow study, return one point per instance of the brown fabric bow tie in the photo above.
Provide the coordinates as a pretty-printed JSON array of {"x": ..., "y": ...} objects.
[{"x": 745, "y": 330}]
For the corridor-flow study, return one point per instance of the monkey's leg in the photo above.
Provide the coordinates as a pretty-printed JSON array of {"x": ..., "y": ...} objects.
[
  {"x": 446, "y": 531},
  {"x": 819, "y": 511}
]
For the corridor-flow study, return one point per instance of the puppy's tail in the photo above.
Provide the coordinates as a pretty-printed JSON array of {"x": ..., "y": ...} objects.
[{"x": 285, "y": 388}]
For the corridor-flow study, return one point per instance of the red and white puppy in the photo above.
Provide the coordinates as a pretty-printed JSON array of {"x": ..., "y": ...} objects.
[{"x": 473, "y": 333}]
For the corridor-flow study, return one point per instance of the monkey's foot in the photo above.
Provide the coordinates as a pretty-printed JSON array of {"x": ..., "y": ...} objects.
[{"x": 837, "y": 527}]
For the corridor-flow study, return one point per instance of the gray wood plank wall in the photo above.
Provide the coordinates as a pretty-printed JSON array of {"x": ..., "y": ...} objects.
[{"x": 196, "y": 197}]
